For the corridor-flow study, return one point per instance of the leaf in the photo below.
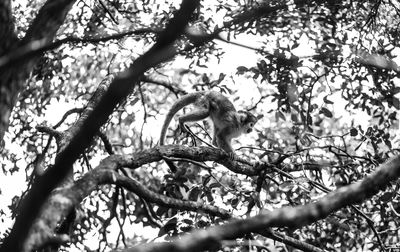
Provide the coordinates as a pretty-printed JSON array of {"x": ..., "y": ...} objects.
[
  {"x": 209, "y": 196},
  {"x": 295, "y": 45},
  {"x": 169, "y": 226},
  {"x": 396, "y": 90},
  {"x": 213, "y": 185},
  {"x": 278, "y": 115},
  {"x": 353, "y": 132},
  {"x": 320, "y": 19},
  {"x": 287, "y": 186},
  {"x": 326, "y": 112},
  {"x": 294, "y": 118},
  {"x": 241, "y": 70},
  {"x": 386, "y": 197},
  {"x": 187, "y": 221},
  {"x": 396, "y": 103},
  {"x": 234, "y": 202},
  {"x": 327, "y": 101},
  {"x": 135, "y": 100},
  {"x": 201, "y": 223},
  {"x": 194, "y": 194},
  {"x": 388, "y": 143},
  {"x": 301, "y": 180},
  {"x": 221, "y": 77},
  {"x": 392, "y": 116},
  {"x": 185, "y": 228},
  {"x": 305, "y": 140},
  {"x": 206, "y": 180}
]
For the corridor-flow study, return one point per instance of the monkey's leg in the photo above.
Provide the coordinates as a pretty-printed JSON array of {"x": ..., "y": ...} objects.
[
  {"x": 224, "y": 142},
  {"x": 193, "y": 116},
  {"x": 214, "y": 140}
]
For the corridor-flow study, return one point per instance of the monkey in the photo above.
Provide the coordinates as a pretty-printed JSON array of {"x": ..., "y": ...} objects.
[{"x": 227, "y": 123}]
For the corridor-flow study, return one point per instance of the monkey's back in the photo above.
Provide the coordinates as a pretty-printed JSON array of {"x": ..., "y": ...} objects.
[{"x": 222, "y": 110}]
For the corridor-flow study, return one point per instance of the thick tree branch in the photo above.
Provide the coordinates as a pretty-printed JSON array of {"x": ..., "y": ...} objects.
[
  {"x": 63, "y": 200},
  {"x": 63, "y": 138},
  {"x": 9, "y": 38},
  {"x": 161, "y": 200},
  {"x": 110, "y": 177},
  {"x": 37, "y": 47},
  {"x": 118, "y": 91},
  {"x": 48, "y": 20},
  {"x": 91, "y": 105},
  {"x": 105, "y": 173},
  {"x": 293, "y": 217},
  {"x": 41, "y": 233},
  {"x": 12, "y": 80},
  {"x": 200, "y": 154}
]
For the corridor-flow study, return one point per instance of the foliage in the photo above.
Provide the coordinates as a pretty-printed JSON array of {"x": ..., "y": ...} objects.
[{"x": 319, "y": 75}]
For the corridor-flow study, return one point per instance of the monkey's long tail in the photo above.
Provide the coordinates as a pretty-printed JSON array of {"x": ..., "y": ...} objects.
[{"x": 178, "y": 105}]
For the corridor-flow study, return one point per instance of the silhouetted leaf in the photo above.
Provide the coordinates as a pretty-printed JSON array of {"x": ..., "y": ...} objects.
[
  {"x": 386, "y": 197},
  {"x": 353, "y": 132},
  {"x": 327, "y": 101},
  {"x": 241, "y": 70},
  {"x": 326, "y": 112}
]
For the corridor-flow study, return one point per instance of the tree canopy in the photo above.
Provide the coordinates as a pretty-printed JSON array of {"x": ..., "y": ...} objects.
[{"x": 85, "y": 87}]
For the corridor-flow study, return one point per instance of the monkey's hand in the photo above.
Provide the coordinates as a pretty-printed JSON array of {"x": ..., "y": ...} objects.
[{"x": 233, "y": 157}]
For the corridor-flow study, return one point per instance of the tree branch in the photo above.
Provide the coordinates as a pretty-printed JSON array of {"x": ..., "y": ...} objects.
[
  {"x": 290, "y": 241},
  {"x": 63, "y": 200},
  {"x": 7, "y": 27},
  {"x": 48, "y": 20},
  {"x": 168, "y": 86},
  {"x": 293, "y": 217},
  {"x": 119, "y": 89},
  {"x": 37, "y": 47},
  {"x": 12, "y": 80}
]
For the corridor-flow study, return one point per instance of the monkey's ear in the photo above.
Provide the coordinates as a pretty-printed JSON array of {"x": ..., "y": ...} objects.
[{"x": 242, "y": 116}]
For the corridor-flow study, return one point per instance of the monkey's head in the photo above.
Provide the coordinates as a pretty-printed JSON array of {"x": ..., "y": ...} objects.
[{"x": 247, "y": 121}]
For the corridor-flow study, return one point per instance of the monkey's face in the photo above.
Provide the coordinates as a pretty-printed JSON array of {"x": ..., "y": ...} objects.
[
  {"x": 248, "y": 120},
  {"x": 248, "y": 128}
]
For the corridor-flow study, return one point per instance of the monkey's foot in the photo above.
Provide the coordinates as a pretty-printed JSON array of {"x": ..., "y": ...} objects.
[{"x": 232, "y": 156}]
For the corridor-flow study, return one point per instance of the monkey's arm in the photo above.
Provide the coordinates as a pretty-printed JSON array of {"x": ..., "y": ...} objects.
[{"x": 223, "y": 140}]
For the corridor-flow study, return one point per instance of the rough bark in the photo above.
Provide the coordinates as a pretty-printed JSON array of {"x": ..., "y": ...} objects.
[
  {"x": 119, "y": 89},
  {"x": 44, "y": 27},
  {"x": 293, "y": 217},
  {"x": 63, "y": 200},
  {"x": 7, "y": 41}
]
